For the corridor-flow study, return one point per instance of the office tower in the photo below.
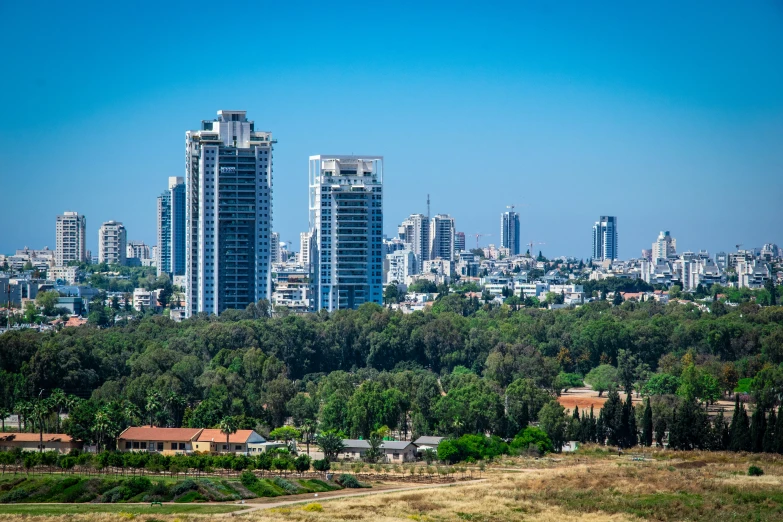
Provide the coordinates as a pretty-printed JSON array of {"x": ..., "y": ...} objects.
[
  {"x": 415, "y": 231},
  {"x": 459, "y": 242},
  {"x": 442, "y": 231},
  {"x": 112, "y": 243},
  {"x": 664, "y": 247},
  {"x": 346, "y": 222},
  {"x": 69, "y": 241},
  {"x": 170, "y": 255},
  {"x": 605, "y": 239},
  {"x": 509, "y": 232},
  {"x": 274, "y": 247},
  {"x": 304, "y": 248},
  {"x": 228, "y": 214}
]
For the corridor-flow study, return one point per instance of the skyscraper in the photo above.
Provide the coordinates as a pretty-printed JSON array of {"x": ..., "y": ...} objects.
[
  {"x": 228, "y": 213},
  {"x": 442, "y": 230},
  {"x": 664, "y": 247},
  {"x": 415, "y": 231},
  {"x": 112, "y": 243},
  {"x": 346, "y": 223},
  {"x": 69, "y": 241},
  {"x": 605, "y": 239},
  {"x": 459, "y": 242},
  {"x": 509, "y": 232},
  {"x": 171, "y": 229}
]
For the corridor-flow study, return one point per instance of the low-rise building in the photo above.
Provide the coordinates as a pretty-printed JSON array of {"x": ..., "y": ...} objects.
[
  {"x": 393, "y": 451},
  {"x": 426, "y": 442},
  {"x": 158, "y": 440},
  {"x": 59, "y": 442},
  {"x": 243, "y": 442},
  {"x": 145, "y": 298}
]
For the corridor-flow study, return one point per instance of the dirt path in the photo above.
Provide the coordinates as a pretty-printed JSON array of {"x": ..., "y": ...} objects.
[{"x": 329, "y": 495}]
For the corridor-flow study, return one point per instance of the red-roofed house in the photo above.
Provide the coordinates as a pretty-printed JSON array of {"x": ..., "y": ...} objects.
[
  {"x": 162, "y": 440},
  {"x": 59, "y": 442},
  {"x": 247, "y": 442}
]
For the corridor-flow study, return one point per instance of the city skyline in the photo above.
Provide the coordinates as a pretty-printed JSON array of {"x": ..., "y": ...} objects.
[{"x": 638, "y": 133}]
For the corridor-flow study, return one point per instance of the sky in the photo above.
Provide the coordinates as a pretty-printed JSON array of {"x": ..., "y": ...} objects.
[{"x": 668, "y": 116}]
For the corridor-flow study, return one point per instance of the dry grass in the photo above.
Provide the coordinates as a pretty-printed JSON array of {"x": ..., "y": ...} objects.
[{"x": 590, "y": 486}]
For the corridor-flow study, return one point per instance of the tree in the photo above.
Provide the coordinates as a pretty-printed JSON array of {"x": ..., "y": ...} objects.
[
  {"x": 690, "y": 427},
  {"x": 391, "y": 294},
  {"x": 552, "y": 419},
  {"x": 331, "y": 443},
  {"x": 740, "y": 429},
  {"x": 612, "y": 417},
  {"x": 758, "y": 426},
  {"x": 768, "y": 445},
  {"x": 535, "y": 438},
  {"x": 647, "y": 425},
  {"x": 602, "y": 378},
  {"x": 769, "y": 286},
  {"x": 617, "y": 300},
  {"x": 627, "y": 364},
  {"x": 228, "y": 426},
  {"x": 286, "y": 433},
  {"x": 302, "y": 463},
  {"x": 661, "y": 384},
  {"x": 48, "y": 301},
  {"x": 374, "y": 452},
  {"x": 629, "y": 434}
]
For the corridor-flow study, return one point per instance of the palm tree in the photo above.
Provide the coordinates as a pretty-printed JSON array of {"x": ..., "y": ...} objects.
[
  {"x": 58, "y": 400},
  {"x": 131, "y": 412},
  {"x": 4, "y": 412},
  {"x": 41, "y": 410},
  {"x": 101, "y": 426},
  {"x": 228, "y": 426},
  {"x": 153, "y": 406}
]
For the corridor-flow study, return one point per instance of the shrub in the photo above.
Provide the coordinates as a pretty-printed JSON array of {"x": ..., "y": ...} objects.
[
  {"x": 183, "y": 487},
  {"x": 755, "y": 471},
  {"x": 286, "y": 486},
  {"x": 313, "y": 506},
  {"x": 114, "y": 495},
  {"x": 248, "y": 478},
  {"x": 14, "y": 496},
  {"x": 138, "y": 485},
  {"x": 535, "y": 438},
  {"x": 347, "y": 480},
  {"x": 322, "y": 465},
  {"x": 476, "y": 447}
]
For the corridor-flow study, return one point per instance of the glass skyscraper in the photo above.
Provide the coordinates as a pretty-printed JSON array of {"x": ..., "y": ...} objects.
[{"x": 171, "y": 229}]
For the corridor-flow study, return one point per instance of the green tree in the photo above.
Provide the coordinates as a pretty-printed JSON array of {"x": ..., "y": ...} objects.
[
  {"x": 552, "y": 419},
  {"x": 331, "y": 443},
  {"x": 740, "y": 430},
  {"x": 647, "y": 425},
  {"x": 758, "y": 426},
  {"x": 768, "y": 444},
  {"x": 48, "y": 301},
  {"x": 228, "y": 426},
  {"x": 627, "y": 364},
  {"x": 661, "y": 384},
  {"x": 602, "y": 378}
]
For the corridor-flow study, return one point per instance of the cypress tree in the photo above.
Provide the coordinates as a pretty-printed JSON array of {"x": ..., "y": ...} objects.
[
  {"x": 524, "y": 417},
  {"x": 758, "y": 426},
  {"x": 613, "y": 419},
  {"x": 647, "y": 425},
  {"x": 779, "y": 431},
  {"x": 576, "y": 412},
  {"x": 629, "y": 423},
  {"x": 734, "y": 424},
  {"x": 591, "y": 434},
  {"x": 660, "y": 431},
  {"x": 600, "y": 429},
  {"x": 740, "y": 434},
  {"x": 768, "y": 446},
  {"x": 721, "y": 434}
]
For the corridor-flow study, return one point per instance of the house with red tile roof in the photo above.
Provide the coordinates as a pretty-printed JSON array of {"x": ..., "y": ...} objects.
[
  {"x": 160, "y": 440},
  {"x": 246, "y": 442},
  {"x": 59, "y": 442}
]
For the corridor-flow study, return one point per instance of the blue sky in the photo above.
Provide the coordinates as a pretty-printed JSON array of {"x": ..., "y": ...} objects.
[{"x": 669, "y": 116}]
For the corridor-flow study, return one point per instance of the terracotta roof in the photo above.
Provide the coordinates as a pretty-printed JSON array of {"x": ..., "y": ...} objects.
[
  {"x": 75, "y": 321},
  {"x": 35, "y": 437},
  {"x": 240, "y": 437},
  {"x": 159, "y": 434}
]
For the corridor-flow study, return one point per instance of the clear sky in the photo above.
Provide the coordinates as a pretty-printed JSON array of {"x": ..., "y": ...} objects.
[{"x": 668, "y": 115}]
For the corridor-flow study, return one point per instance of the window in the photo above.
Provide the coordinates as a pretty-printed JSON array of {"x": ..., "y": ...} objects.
[
  {"x": 173, "y": 445},
  {"x": 237, "y": 447},
  {"x": 135, "y": 444},
  {"x": 143, "y": 445},
  {"x": 128, "y": 444},
  {"x": 182, "y": 445},
  {"x": 224, "y": 447}
]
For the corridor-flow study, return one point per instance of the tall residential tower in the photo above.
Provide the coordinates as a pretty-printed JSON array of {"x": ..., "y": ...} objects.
[
  {"x": 442, "y": 230},
  {"x": 69, "y": 240},
  {"x": 228, "y": 213},
  {"x": 605, "y": 239},
  {"x": 346, "y": 223},
  {"x": 415, "y": 231},
  {"x": 112, "y": 243},
  {"x": 170, "y": 255},
  {"x": 509, "y": 232}
]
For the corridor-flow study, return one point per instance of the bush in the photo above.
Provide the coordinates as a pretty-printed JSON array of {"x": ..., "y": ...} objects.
[
  {"x": 535, "y": 437},
  {"x": 755, "y": 471},
  {"x": 14, "y": 496},
  {"x": 248, "y": 478},
  {"x": 183, "y": 487},
  {"x": 322, "y": 465},
  {"x": 286, "y": 486},
  {"x": 114, "y": 495},
  {"x": 347, "y": 480},
  {"x": 476, "y": 447},
  {"x": 138, "y": 485},
  {"x": 313, "y": 507}
]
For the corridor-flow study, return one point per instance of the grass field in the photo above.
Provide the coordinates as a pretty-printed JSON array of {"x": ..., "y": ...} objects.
[
  {"x": 590, "y": 485},
  {"x": 121, "y": 510}
]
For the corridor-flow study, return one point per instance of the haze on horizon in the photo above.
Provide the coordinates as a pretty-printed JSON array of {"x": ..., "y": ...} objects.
[{"x": 668, "y": 116}]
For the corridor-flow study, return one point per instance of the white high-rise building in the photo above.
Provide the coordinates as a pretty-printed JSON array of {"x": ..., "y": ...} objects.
[
  {"x": 399, "y": 265},
  {"x": 70, "y": 239},
  {"x": 442, "y": 230},
  {"x": 509, "y": 232},
  {"x": 304, "y": 248},
  {"x": 137, "y": 249},
  {"x": 228, "y": 214},
  {"x": 664, "y": 247},
  {"x": 605, "y": 239},
  {"x": 112, "y": 243},
  {"x": 415, "y": 231},
  {"x": 346, "y": 222}
]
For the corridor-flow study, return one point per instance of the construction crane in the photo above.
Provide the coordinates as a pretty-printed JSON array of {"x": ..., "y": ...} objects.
[
  {"x": 530, "y": 246},
  {"x": 477, "y": 236},
  {"x": 738, "y": 246}
]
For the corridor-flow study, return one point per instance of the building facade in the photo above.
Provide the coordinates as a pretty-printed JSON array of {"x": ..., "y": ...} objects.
[
  {"x": 304, "y": 248},
  {"x": 664, "y": 247},
  {"x": 274, "y": 247},
  {"x": 415, "y": 232},
  {"x": 442, "y": 230},
  {"x": 228, "y": 214},
  {"x": 112, "y": 243},
  {"x": 170, "y": 254},
  {"x": 346, "y": 223},
  {"x": 605, "y": 239},
  {"x": 459, "y": 242},
  {"x": 70, "y": 239},
  {"x": 509, "y": 232}
]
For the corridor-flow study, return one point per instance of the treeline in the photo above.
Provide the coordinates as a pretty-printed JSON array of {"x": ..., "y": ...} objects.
[{"x": 449, "y": 371}]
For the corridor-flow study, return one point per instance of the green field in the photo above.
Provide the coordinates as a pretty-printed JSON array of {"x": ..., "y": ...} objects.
[{"x": 136, "y": 509}]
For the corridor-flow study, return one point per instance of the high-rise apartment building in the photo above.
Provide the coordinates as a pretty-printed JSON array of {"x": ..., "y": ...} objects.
[
  {"x": 442, "y": 230},
  {"x": 112, "y": 243},
  {"x": 274, "y": 247},
  {"x": 509, "y": 232},
  {"x": 459, "y": 242},
  {"x": 415, "y": 231},
  {"x": 170, "y": 254},
  {"x": 228, "y": 214},
  {"x": 137, "y": 249},
  {"x": 70, "y": 239},
  {"x": 304, "y": 248},
  {"x": 605, "y": 239},
  {"x": 664, "y": 247},
  {"x": 346, "y": 223}
]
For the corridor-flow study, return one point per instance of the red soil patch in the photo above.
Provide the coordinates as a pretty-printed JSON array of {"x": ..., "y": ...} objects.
[{"x": 584, "y": 403}]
